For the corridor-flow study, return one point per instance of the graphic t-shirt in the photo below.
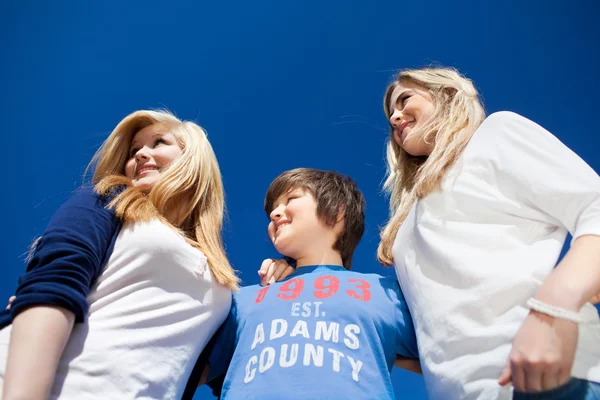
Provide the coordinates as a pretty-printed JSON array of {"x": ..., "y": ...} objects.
[{"x": 323, "y": 331}]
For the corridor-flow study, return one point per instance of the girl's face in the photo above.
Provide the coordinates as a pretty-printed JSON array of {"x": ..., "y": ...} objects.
[
  {"x": 410, "y": 108},
  {"x": 152, "y": 150}
]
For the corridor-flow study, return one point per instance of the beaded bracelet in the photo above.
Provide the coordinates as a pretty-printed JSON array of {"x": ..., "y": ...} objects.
[{"x": 557, "y": 312}]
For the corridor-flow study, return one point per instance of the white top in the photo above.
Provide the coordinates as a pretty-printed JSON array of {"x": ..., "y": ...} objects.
[
  {"x": 468, "y": 257},
  {"x": 152, "y": 311}
]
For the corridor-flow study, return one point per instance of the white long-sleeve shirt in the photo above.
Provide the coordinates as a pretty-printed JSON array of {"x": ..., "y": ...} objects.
[{"x": 469, "y": 256}]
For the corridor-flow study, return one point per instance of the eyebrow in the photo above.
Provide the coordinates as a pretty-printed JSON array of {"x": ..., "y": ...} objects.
[{"x": 133, "y": 142}]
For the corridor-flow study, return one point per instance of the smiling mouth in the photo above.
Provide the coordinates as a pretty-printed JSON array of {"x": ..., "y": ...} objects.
[
  {"x": 403, "y": 130},
  {"x": 145, "y": 169},
  {"x": 281, "y": 226}
]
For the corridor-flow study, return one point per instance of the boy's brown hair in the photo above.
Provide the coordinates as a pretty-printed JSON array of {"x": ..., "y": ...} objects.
[{"x": 334, "y": 193}]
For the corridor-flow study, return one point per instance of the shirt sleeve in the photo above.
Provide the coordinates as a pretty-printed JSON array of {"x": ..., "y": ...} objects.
[
  {"x": 69, "y": 256},
  {"x": 406, "y": 339},
  {"x": 538, "y": 169},
  {"x": 222, "y": 352}
]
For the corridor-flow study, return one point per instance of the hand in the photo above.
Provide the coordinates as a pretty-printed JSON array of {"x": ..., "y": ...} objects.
[
  {"x": 10, "y": 301},
  {"x": 272, "y": 271},
  {"x": 542, "y": 354},
  {"x": 595, "y": 299}
]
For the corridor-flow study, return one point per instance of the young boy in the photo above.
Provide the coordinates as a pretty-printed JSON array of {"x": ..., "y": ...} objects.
[{"x": 323, "y": 331}]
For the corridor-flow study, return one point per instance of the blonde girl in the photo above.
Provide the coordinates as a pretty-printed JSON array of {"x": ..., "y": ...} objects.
[
  {"x": 479, "y": 211},
  {"x": 130, "y": 278}
]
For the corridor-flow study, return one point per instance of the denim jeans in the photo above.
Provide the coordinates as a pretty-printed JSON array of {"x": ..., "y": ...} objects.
[{"x": 575, "y": 389}]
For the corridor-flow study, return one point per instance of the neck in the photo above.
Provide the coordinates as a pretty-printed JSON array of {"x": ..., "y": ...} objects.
[
  {"x": 328, "y": 257},
  {"x": 176, "y": 216}
]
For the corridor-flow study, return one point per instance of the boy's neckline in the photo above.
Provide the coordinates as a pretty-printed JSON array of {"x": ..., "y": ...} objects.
[{"x": 311, "y": 268}]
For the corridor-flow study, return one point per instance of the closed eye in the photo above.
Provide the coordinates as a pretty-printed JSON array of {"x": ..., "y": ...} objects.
[{"x": 403, "y": 99}]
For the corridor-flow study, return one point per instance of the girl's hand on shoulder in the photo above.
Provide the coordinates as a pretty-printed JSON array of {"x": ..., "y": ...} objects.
[
  {"x": 272, "y": 271},
  {"x": 10, "y": 301},
  {"x": 542, "y": 354}
]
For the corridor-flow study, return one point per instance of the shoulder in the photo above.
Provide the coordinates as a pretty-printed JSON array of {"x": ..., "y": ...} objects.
[
  {"x": 509, "y": 125},
  {"x": 505, "y": 132},
  {"x": 385, "y": 282},
  {"x": 87, "y": 197},
  {"x": 84, "y": 205},
  {"x": 503, "y": 117},
  {"x": 245, "y": 292}
]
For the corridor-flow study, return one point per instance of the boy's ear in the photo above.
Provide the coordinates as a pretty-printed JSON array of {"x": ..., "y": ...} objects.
[
  {"x": 341, "y": 214},
  {"x": 339, "y": 223}
]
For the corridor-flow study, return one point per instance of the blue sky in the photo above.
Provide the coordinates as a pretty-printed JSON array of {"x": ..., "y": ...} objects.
[{"x": 277, "y": 85}]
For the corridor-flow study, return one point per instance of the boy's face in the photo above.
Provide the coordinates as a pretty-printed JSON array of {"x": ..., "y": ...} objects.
[{"x": 295, "y": 229}]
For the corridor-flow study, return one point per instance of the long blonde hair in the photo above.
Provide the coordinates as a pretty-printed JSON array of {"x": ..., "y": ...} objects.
[
  {"x": 191, "y": 185},
  {"x": 458, "y": 113}
]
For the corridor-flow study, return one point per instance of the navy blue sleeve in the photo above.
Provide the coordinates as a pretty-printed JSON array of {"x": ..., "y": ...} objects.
[
  {"x": 406, "y": 338},
  {"x": 68, "y": 257},
  {"x": 222, "y": 353}
]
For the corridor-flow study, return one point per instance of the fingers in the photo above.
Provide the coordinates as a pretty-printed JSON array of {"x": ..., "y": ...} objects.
[
  {"x": 519, "y": 378},
  {"x": 505, "y": 376},
  {"x": 551, "y": 379},
  {"x": 272, "y": 271},
  {"x": 282, "y": 271},
  {"x": 532, "y": 377},
  {"x": 10, "y": 301},
  {"x": 264, "y": 268},
  {"x": 536, "y": 376}
]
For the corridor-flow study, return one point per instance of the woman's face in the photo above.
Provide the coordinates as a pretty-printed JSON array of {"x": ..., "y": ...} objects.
[
  {"x": 152, "y": 150},
  {"x": 410, "y": 108}
]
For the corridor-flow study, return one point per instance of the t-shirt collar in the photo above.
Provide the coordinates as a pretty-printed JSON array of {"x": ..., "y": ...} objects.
[{"x": 314, "y": 268}]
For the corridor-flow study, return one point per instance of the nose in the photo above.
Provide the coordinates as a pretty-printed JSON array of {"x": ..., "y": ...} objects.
[
  {"x": 142, "y": 154},
  {"x": 276, "y": 214},
  {"x": 396, "y": 118}
]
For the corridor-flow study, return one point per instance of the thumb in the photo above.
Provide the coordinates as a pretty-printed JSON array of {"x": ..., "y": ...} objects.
[{"x": 506, "y": 375}]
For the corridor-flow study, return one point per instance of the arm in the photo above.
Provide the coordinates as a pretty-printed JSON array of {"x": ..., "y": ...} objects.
[
  {"x": 221, "y": 352},
  {"x": 559, "y": 188},
  {"x": 544, "y": 349},
  {"x": 38, "y": 337},
  {"x": 407, "y": 352},
  {"x": 204, "y": 376},
  {"x": 409, "y": 364},
  {"x": 576, "y": 279},
  {"x": 52, "y": 295}
]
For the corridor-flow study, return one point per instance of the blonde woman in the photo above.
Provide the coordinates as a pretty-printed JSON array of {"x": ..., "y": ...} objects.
[
  {"x": 130, "y": 279},
  {"x": 480, "y": 208}
]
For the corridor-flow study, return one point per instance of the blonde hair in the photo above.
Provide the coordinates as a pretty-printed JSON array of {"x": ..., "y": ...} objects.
[
  {"x": 191, "y": 187},
  {"x": 457, "y": 115}
]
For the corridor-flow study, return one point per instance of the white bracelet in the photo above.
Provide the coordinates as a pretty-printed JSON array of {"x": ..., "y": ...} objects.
[{"x": 557, "y": 312}]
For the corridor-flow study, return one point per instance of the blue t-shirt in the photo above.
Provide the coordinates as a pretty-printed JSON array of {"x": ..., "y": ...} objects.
[{"x": 323, "y": 331}]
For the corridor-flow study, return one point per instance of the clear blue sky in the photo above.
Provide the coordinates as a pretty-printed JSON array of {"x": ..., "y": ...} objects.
[{"x": 278, "y": 85}]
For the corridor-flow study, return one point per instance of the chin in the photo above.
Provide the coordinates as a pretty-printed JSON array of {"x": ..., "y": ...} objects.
[
  {"x": 416, "y": 149},
  {"x": 143, "y": 186},
  {"x": 284, "y": 250}
]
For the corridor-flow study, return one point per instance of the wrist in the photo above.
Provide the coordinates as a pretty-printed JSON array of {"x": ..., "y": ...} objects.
[
  {"x": 547, "y": 312},
  {"x": 567, "y": 295}
]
